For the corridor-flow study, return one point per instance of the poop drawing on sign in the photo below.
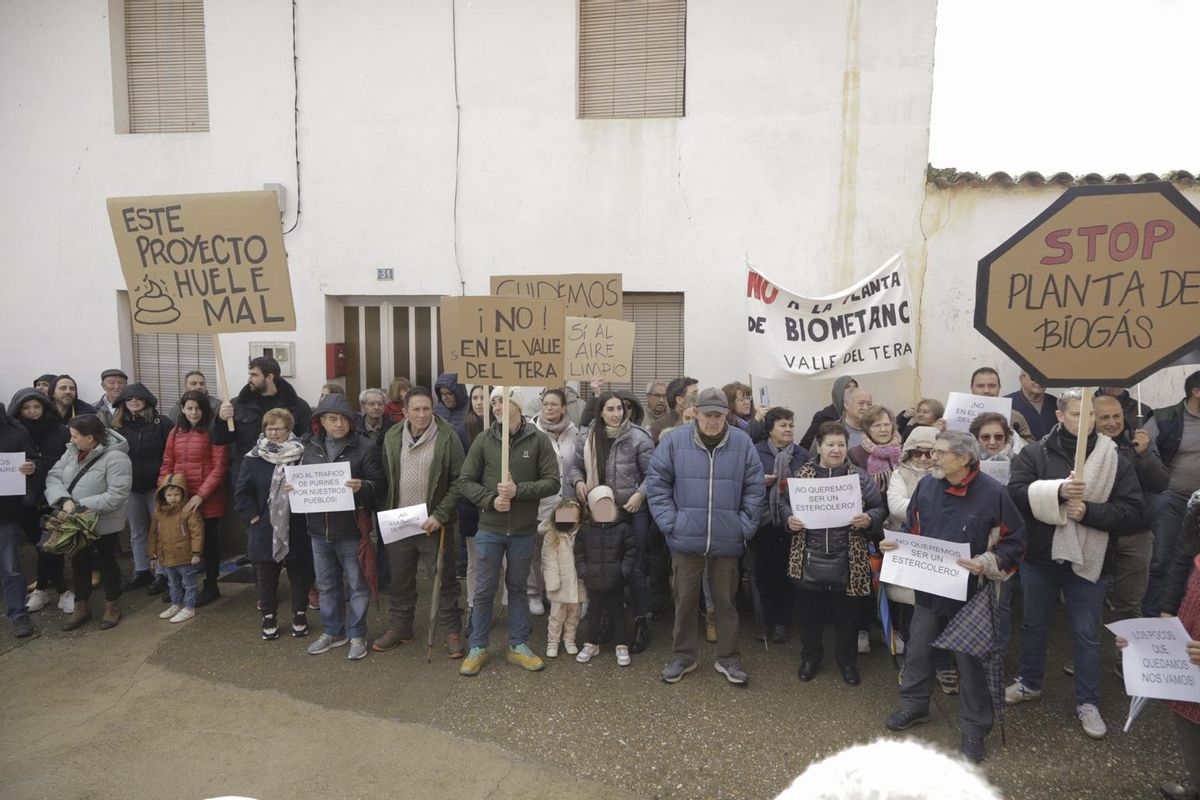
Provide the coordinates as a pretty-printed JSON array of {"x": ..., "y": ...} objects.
[{"x": 153, "y": 305}]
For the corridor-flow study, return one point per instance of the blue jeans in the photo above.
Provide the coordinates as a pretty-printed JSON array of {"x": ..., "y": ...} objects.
[
  {"x": 330, "y": 560},
  {"x": 10, "y": 570},
  {"x": 181, "y": 582},
  {"x": 1040, "y": 585},
  {"x": 138, "y": 513},
  {"x": 491, "y": 549},
  {"x": 1169, "y": 509}
]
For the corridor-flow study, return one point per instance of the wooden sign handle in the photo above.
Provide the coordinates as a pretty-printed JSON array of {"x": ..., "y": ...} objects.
[
  {"x": 504, "y": 433},
  {"x": 222, "y": 384},
  {"x": 1085, "y": 420}
]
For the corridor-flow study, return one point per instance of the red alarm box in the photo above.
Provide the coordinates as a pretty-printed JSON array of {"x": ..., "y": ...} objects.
[{"x": 335, "y": 360}]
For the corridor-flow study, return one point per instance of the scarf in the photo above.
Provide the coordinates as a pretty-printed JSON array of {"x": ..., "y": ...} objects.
[
  {"x": 591, "y": 468},
  {"x": 859, "y": 584},
  {"x": 711, "y": 442},
  {"x": 783, "y": 459},
  {"x": 882, "y": 457},
  {"x": 555, "y": 428},
  {"x": 278, "y": 508}
]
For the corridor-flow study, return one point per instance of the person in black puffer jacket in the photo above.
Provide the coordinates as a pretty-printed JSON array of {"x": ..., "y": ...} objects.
[
  {"x": 136, "y": 417},
  {"x": 14, "y": 439},
  {"x": 264, "y": 390},
  {"x": 606, "y": 553}
]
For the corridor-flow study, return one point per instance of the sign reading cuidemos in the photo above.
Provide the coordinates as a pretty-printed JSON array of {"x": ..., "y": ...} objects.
[
  {"x": 870, "y": 327},
  {"x": 599, "y": 348},
  {"x": 507, "y": 341},
  {"x": 204, "y": 263},
  {"x": 596, "y": 294}
]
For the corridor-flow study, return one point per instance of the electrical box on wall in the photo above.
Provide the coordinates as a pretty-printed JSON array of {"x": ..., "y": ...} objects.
[
  {"x": 335, "y": 360},
  {"x": 283, "y": 352}
]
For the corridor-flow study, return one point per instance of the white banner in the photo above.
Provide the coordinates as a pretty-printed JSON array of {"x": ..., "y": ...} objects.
[
  {"x": 926, "y": 564},
  {"x": 962, "y": 409},
  {"x": 401, "y": 523},
  {"x": 1156, "y": 663},
  {"x": 870, "y": 327},
  {"x": 825, "y": 502},
  {"x": 12, "y": 482},
  {"x": 319, "y": 487}
]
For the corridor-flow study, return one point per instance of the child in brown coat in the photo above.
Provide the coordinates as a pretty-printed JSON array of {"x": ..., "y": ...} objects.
[{"x": 176, "y": 543}]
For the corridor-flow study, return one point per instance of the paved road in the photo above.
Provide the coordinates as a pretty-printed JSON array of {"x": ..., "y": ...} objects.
[{"x": 207, "y": 707}]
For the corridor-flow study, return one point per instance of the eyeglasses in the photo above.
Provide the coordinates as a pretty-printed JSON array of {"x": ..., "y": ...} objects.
[
  {"x": 277, "y": 430},
  {"x": 935, "y": 453},
  {"x": 921, "y": 453},
  {"x": 881, "y": 426},
  {"x": 992, "y": 437}
]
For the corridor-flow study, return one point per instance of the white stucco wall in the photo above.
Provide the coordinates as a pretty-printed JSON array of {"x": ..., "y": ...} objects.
[{"x": 803, "y": 150}]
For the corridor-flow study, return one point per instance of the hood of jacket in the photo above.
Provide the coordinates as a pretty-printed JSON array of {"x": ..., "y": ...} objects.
[
  {"x": 639, "y": 413},
  {"x": 449, "y": 382},
  {"x": 838, "y": 393},
  {"x": 29, "y": 393},
  {"x": 332, "y": 404},
  {"x": 136, "y": 390},
  {"x": 116, "y": 442},
  {"x": 176, "y": 479}
]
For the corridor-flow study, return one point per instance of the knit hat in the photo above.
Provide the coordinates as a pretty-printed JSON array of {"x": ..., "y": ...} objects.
[
  {"x": 921, "y": 438},
  {"x": 515, "y": 396},
  {"x": 712, "y": 400},
  {"x": 602, "y": 504}
]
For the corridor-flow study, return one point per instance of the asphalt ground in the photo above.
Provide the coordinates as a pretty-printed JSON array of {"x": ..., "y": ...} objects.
[{"x": 283, "y": 723}]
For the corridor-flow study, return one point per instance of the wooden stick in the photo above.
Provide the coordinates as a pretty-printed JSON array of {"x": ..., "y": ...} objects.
[
  {"x": 1085, "y": 421},
  {"x": 222, "y": 384},
  {"x": 1139, "y": 404},
  {"x": 504, "y": 433}
]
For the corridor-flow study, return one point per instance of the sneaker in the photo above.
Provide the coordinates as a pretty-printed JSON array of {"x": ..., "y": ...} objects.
[
  {"x": 525, "y": 658},
  {"x": 864, "y": 643},
  {"x": 588, "y": 652},
  {"x": 623, "y": 659},
  {"x": 66, "y": 602},
  {"x": 474, "y": 661},
  {"x": 36, "y": 600},
  {"x": 325, "y": 643},
  {"x": 733, "y": 673},
  {"x": 170, "y": 611},
  {"x": 551, "y": 649},
  {"x": 22, "y": 627},
  {"x": 184, "y": 615},
  {"x": 1182, "y": 789},
  {"x": 1019, "y": 693},
  {"x": 299, "y": 624},
  {"x": 904, "y": 719},
  {"x": 675, "y": 670},
  {"x": 358, "y": 649},
  {"x": 1092, "y": 722},
  {"x": 972, "y": 748},
  {"x": 948, "y": 680},
  {"x": 536, "y": 606},
  {"x": 270, "y": 628},
  {"x": 571, "y": 648}
]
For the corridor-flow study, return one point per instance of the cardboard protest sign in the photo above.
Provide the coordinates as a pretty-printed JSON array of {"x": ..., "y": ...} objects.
[
  {"x": 505, "y": 341},
  {"x": 599, "y": 348},
  {"x": 926, "y": 565},
  {"x": 870, "y": 327},
  {"x": 1101, "y": 288},
  {"x": 401, "y": 523},
  {"x": 1156, "y": 663},
  {"x": 825, "y": 502},
  {"x": 319, "y": 487},
  {"x": 1000, "y": 470},
  {"x": 963, "y": 408},
  {"x": 584, "y": 295},
  {"x": 12, "y": 481},
  {"x": 203, "y": 263}
]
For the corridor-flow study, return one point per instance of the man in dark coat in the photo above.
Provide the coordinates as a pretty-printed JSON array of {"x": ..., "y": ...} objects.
[
  {"x": 14, "y": 439},
  {"x": 1072, "y": 521},
  {"x": 453, "y": 402},
  {"x": 65, "y": 394},
  {"x": 1036, "y": 405},
  {"x": 371, "y": 421},
  {"x": 264, "y": 390}
]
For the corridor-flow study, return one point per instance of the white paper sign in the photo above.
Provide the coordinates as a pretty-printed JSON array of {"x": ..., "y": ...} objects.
[
  {"x": 1156, "y": 662},
  {"x": 825, "y": 502},
  {"x": 962, "y": 409},
  {"x": 926, "y": 564},
  {"x": 319, "y": 487},
  {"x": 761, "y": 396},
  {"x": 1000, "y": 470},
  {"x": 401, "y": 523},
  {"x": 12, "y": 482}
]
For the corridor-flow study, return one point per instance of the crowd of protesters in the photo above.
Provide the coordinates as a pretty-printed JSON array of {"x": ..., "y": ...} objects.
[{"x": 614, "y": 509}]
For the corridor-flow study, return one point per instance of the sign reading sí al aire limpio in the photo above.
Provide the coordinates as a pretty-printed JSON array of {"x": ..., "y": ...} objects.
[
  {"x": 203, "y": 263},
  {"x": 509, "y": 341},
  {"x": 599, "y": 348}
]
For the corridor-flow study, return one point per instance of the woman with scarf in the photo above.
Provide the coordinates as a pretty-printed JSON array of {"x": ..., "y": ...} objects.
[
  {"x": 994, "y": 435},
  {"x": 842, "y": 387},
  {"x": 830, "y": 565},
  {"x": 558, "y": 427},
  {"x": 615, "y": 452},
  {"x": 190, "y": 451},
  {"x": 742, "y": 414},
  {"x": 781, "y": 456},
  {"x": 275, "y": 538}
]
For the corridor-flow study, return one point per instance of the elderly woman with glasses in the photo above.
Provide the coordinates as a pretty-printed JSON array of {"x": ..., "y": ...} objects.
[{"x": 995, "y": 436}]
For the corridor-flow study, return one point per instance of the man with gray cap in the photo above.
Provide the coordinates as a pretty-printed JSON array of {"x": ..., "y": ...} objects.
[
  {"x": 706, "y": 492},
  {"x": 113, "y": 382}
]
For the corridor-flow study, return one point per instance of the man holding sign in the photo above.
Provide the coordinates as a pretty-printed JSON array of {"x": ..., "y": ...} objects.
[
  {"x": 957, "y": 503},
  {"x": 422, "y": 458}
]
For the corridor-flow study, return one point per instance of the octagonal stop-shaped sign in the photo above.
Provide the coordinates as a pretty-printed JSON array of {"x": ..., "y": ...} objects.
[{"x": 1101, "y": 288}]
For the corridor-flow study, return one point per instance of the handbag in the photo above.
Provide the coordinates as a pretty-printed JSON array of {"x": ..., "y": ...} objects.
[{"x": 824, "y": 572}]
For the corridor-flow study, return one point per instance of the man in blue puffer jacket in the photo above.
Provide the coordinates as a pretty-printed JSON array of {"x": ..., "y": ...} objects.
[{"x": 706, "y": 493}]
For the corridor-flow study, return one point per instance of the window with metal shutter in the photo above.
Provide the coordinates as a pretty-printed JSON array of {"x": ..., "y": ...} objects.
[
  {"x": 632, "y": 57},
  {"x": 657, "y": 340},
  {"x": 166, "y": 66},
  {"x": 160, "y": 360}
]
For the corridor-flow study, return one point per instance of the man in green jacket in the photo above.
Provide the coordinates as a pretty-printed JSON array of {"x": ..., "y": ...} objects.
[
  {"x": 421, "y": 460},
  {"x": 508, "y": 506}
]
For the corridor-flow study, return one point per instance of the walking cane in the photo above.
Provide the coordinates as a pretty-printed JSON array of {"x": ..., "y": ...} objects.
[{"x": 437, "y": 589}]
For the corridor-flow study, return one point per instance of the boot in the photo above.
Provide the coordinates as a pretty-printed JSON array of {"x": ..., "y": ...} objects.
[
  {"x": 79, "y": 615},
  {"x": 208, "y": 594},
  {"x": 112, "y": 615},
  {"x": 159, "y": 586},
  {"x": 641, "y": 635}
]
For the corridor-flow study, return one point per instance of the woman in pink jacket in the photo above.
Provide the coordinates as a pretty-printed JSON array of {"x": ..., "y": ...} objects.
[{"x": 190, "y": 451}]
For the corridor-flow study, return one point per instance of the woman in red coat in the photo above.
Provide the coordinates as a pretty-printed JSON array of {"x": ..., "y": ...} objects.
[{"x": 191, "y": 452}]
